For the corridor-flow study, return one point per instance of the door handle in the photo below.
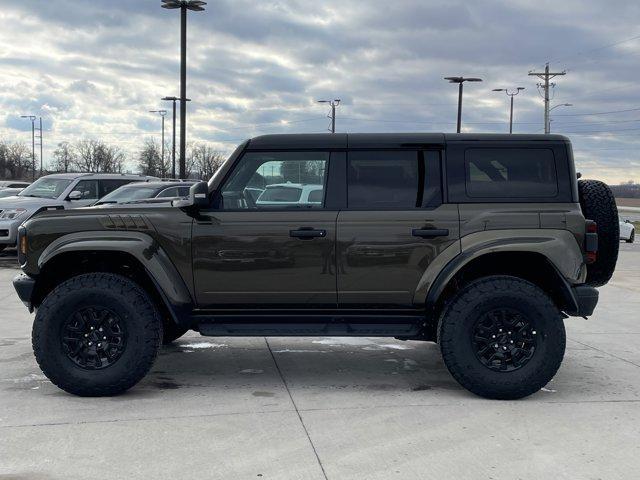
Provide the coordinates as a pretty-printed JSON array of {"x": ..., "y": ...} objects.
[
  {"x": 430, "y": 232},
  {"x": 307, "y": 233}
]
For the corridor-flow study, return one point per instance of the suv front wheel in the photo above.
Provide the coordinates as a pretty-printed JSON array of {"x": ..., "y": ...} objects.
[
  {"x": 96, "y": 334},
  {"x": 502, "y": 337}
]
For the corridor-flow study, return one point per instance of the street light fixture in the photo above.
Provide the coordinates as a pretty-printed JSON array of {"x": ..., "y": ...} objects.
[
  {"x": 554, "y": 107},
  {"x": 511, "y": 95},
  {"x": 460, "y": 81},
  {"x": 183, "y": 5},
  {"x": 173, "y": 144},
  {"x": 162, "y": 113},
  {"x": 33, "y": 143},
  {"x": 334, "y": 104}
]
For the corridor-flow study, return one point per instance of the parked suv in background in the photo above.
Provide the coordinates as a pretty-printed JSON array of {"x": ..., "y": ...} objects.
[
  {"x": 13, "y": 184},
  {"x": 57, "y": 191},
  {"x": 481, "y": 243}
]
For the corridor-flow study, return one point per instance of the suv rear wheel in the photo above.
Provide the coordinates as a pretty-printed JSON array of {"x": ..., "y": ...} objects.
[
  {"x": 502, "y": 337},
  {"x": 96, "y": 334}
]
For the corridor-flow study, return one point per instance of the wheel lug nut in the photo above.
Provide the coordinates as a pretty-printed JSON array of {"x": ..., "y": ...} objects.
[
  {"x": 90, "y": 343},
  {"x": 91, "y": 328},
  {"x": 510, "y": 341},
  {"x": 86, "y": 335},
  {"x": 533, "y": 332},
  {"x": 104, "y": 338},
  {"x": 493, "y": 336},
  {"x": 500, "y": 330},
  {"x": 504, "y": 348},
  {"x": 99, "y": 345},
  {"x": 496, "y": 345},
  {"x": 100, "y": 329}
]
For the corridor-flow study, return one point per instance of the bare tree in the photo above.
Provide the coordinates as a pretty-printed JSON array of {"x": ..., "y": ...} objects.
[
  {"x": 203, "y": 161},
  {"x": 15, "y": 161},
  {"x": 64, "y": 157},
  {"x": 95, "y": 156},
  {"x": 150, "y": 161}
]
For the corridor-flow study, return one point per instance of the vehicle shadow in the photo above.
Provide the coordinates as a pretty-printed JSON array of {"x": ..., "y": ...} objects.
[{"x": 9, "y": 258}]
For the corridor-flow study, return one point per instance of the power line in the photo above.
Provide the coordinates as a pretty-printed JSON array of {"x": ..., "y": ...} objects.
[
  {"x": 596, "y": 113},
  {"x": 546, "y": 76}
]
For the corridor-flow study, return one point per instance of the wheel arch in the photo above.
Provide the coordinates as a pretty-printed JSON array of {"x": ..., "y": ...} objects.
[{"x": 132, "y": 254}]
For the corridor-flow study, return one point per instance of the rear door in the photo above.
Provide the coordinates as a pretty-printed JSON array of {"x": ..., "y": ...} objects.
[
  {"x": 250, "y": 254},
  {"x": 394, "y": 226}
]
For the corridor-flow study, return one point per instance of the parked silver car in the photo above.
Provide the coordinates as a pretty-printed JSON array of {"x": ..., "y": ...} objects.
[
  {"x": 9, "y": 192},
  {"x": 13, "y": 184},
  {"x": 59, "y": 191}
]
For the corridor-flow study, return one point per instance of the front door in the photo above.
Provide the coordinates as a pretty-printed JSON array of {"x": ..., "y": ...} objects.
[
  {"x": 268, "y": 240},
  {"x": 394, "y": 226}
]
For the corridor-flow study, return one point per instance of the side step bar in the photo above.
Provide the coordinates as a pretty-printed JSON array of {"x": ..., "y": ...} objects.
[{"x": 238, "y": 326}]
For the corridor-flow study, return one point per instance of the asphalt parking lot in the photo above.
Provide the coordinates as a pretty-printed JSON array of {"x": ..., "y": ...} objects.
[{"x": 336, "y": 408}]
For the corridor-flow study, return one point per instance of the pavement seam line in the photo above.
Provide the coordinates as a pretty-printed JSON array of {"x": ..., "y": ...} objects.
[
  {"x": 304, "y": 427},
  {"x": 606, "y": 353}
]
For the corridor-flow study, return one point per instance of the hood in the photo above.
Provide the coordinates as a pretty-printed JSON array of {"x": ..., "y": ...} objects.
[{"x": 28, "y": 203}]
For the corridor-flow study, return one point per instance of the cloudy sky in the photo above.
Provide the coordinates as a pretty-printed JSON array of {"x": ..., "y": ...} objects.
[{"x": 93, "y": 69}]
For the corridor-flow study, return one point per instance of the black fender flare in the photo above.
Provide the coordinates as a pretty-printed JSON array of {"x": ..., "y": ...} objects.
[{"x": 146, "y": 250}]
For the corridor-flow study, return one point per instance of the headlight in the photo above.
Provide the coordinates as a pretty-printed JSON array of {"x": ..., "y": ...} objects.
[{"x": 12, "y": 213}]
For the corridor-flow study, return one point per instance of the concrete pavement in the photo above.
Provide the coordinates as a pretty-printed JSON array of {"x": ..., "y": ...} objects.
[{"x": 336, "y": 408}]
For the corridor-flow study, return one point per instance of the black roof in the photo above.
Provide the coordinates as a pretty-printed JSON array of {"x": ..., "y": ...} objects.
[{"x": 387, "y": 140}]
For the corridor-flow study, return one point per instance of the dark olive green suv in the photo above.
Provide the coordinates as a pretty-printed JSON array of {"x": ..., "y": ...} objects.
[{"x": 481, "y": 243}]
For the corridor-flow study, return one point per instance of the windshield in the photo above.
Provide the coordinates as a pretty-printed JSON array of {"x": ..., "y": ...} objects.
[
  {"x": 128, "y": 194},
  {"x": 46, "y": 188}
]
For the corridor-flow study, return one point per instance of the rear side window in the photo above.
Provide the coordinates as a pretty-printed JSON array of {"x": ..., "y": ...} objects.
[
  {"x": 108, "y": 186},
  {"x": 510, "y": 172},
  {"x": 393, "y": 179}
]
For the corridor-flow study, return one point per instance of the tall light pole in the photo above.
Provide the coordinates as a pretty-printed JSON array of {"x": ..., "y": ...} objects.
[
  {"x": 33, "y": 143},
  {"x": 553, "y": 108},
  {"x": 460, "y": 81},
  {"x": 173, "y": 144},
  {"x": 162, "y": 113},
  {"x": 332, "y": 116},
  {"x": 41, "y": 147},
  {"x": 511, "y": 95},
  {"x": 183, "y": 5}
]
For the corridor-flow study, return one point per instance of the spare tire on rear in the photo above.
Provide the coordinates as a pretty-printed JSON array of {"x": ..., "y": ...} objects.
[{"x": 599, "y": 204}]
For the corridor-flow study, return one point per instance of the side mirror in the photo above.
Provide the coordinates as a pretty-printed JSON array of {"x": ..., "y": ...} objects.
[
  {"x": 75, "y": 195},
  {"x": 198, "y": 197}
]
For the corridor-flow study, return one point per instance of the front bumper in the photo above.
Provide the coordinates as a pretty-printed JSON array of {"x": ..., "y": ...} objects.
[
  {"x": 586, "y": 299},
  {"x": 9, "y": 231},
  {"x": 24, "y": 285}
]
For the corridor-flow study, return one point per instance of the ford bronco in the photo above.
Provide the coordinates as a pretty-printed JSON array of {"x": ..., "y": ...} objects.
[{"x": 481, "y": 243}]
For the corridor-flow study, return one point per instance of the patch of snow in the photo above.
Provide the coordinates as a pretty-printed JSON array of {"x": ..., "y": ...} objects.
[
  {"x": 548, "y": 390},
  {"x": 368, "y": 343},
  {"x": 32, "y": 377},
  {"x": 300, "y": 351},
  {"x": 202, "y": 345},
  {"x": 251, "y": 370}
]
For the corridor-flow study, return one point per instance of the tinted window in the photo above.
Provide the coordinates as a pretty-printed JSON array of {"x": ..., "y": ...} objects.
[
  {"x": 280, "y": 194},
  {"x": 183, "y": 191},
  {"x": 384, "y": 180},
  {"x": 275, "y": 180},
  {"x": 315, "y": 196},
  {"x": 510, "y": 172},
  {"x": 169, "y": 193},
  {"x": 108, "y": 186},
  {"x": 88, "y": 189}
]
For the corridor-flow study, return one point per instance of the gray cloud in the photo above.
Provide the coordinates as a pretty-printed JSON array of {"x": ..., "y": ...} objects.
[{"x": 93, "y": 68}]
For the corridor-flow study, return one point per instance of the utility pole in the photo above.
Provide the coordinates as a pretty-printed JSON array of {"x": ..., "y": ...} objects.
[
  {"x": 41, "y": 146},
  {"x": 173, "y": 153},
  {"x": 460, "y": 81},
  {"x": 332, "y": 116},
  {"x": 183, "y": 5},
  {"x": 162, "y": 113},
  {"x": 511, "y": 95},
  {"x": 545, "y": 77},
  {"x": 33, "y": 144}
]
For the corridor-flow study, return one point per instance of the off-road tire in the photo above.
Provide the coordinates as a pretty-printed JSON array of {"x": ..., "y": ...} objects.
[
  {"x": 104, "y": 290},
  {"x": 456, "y": 328},
  {"x": 599, "y": 204},
  {"x": 632, "y": 237},
  {"x": 171, "y": 332}
]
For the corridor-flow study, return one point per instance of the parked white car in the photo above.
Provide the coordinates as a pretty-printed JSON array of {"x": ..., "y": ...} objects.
[
  {"x": 627, "y": 231},
  {"x": 292, "y": 194}
]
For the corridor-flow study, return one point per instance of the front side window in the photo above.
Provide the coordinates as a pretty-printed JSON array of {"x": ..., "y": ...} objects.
[
  {"x": 88, "y": 189},
  {"x": 510, "y": 172},
  {"x": 393, "y": 179},
  {"x": 276, "y": 180}
]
